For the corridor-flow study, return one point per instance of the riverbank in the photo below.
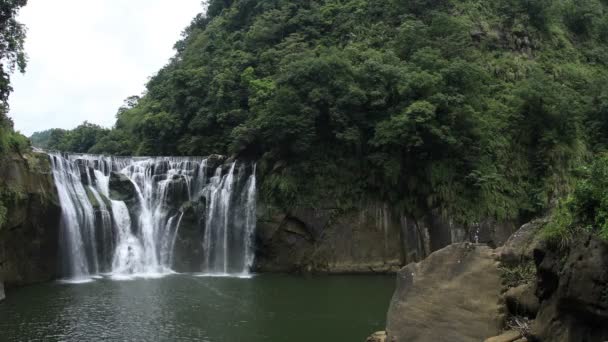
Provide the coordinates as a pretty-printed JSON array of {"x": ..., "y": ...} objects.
[{"x": 527, "y": 290}]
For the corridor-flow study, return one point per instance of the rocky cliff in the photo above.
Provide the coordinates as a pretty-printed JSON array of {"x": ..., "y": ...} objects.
[
  {"x": 29, "y": 237},
  {"x": 372, "y": 238}
]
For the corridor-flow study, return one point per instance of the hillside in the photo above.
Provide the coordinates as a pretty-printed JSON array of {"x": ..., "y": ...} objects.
[{"x": 472, "y": 108}]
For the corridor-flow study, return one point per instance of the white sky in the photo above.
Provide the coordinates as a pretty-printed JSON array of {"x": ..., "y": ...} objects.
[{"x": 87, "y": 56}]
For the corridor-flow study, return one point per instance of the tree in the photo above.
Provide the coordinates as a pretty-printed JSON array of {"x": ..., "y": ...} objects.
[{"x": 12, "y": 55}]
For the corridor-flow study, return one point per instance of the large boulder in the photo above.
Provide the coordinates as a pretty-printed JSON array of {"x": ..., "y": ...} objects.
[
  {"x": 573, "y": 289},
  {"x": 453, "y": 295},
  {"x": 122, "y": 188},
  {"x": 519, "y": 248}
]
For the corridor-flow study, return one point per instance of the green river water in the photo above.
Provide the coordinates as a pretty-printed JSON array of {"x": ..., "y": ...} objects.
[{"x": 268, "y": 308}]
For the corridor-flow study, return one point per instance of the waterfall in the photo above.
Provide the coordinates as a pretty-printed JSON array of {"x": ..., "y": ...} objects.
[{"x": 124, "y": 217}]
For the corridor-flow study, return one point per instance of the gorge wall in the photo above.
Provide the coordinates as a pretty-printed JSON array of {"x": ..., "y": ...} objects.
[
  {"x": 372, "y": 238},
  {"x": 29, "y": 244}
]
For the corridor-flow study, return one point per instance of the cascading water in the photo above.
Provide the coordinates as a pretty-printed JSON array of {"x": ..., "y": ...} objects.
[{"x": 123, "y": 216}]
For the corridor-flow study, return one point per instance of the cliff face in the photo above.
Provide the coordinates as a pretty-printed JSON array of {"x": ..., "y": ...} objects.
[
  {"x": 572, "y": 288},
  {"x": 373, "y": 238},
  {"x": 29, "y": 239}
]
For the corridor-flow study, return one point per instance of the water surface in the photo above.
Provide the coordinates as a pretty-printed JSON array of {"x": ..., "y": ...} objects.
[{"x": 269, "y": 308}]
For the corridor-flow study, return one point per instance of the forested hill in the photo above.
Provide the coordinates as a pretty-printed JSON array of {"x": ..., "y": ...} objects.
[{"x": 479, "y": 108}]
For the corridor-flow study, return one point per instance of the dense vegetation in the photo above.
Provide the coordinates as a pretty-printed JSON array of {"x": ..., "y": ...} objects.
[
  {"x": 477, "y": 108},
  {"x": 80, "y": 140},
  {"x": 586, "y": 208},
  {"x": 12, "y": 57}
]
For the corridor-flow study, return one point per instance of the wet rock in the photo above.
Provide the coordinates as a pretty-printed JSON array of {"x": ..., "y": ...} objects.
[
  {"x": 573, "y": 289},
  {"x": 453, "y": 295},
  {"x": 121, "y": 188},
  {"x": 522, "y": 301},
  {"x": 177, "y": 192},
  {"x": 509, "y": 336},
  {"x": 188, "y": 251},
  {"x": 29, "y": 247},
  {"x": 379, "y": 336}
]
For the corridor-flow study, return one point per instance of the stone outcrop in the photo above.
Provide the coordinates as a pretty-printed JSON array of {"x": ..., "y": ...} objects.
[
  {"x": 29, "y": 243},
  {"x": 519, "y": 248},
  {"x": 453, "y": 295},
  {"x": 121, "y": 188},
  {"x": 573, "y": 291}
]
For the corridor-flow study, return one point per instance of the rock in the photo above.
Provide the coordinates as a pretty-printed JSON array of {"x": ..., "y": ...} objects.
[
  {"x": 29, "y": 247},
  {"x": 2, "y": 295},
  {"x": 509, "y": 336},
  {"x": 520, "y": 246},
  {"x": 188, "y": 251},
  {"x": 214, "y": 161},
  {"x": 522, "y": 301},
  {"x": 121, "y": 188},
  {"x": 177, "y": 192},
  {"x": 573, "y": 289},
  {"x": 379, "y": 336},
  {"x": 370, "y": 239},
  {"x": 453, "y": 295}
]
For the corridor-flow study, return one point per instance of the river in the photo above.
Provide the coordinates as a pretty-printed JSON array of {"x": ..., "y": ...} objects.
[{"x": 268, "y": 308}]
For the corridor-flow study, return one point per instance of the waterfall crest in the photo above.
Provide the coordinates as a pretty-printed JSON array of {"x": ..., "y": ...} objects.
[{"x": 127, "y": 217}]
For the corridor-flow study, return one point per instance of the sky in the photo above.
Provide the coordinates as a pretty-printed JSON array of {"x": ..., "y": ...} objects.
[{"x": 87, "y": 56}]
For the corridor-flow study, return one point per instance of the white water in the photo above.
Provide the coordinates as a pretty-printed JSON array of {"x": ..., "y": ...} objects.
[{"x": 139, "y": 238}]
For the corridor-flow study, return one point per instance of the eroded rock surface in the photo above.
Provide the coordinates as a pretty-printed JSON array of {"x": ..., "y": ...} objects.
[
  {"x": 29, "y": 243},
  {"x": 453, "y": 295},
  {"x": 573, "y": 293}
]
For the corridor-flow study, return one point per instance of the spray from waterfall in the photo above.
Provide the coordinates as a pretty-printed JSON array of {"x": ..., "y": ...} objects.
[{"x": 105, "y": 234}]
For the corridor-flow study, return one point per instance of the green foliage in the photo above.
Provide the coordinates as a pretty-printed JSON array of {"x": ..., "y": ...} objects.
[
  {"x": 520, "y": 274},
  {"x": 12, "y": 56},
  {"x": 586, "y": 209},
  {"x": 79, "y": 140},
  {"x": 8, "y": 196},
  {"x": 474, "y": 108}
]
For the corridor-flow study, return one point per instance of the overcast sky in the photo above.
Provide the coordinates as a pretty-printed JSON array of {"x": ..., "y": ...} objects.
[{"x": 87, "y": 56}]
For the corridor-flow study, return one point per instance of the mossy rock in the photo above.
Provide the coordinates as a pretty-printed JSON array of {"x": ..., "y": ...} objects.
[{"x": 121, "y": 188}]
